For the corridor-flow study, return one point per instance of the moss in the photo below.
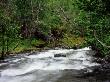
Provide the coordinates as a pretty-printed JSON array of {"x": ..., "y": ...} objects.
[
  {"x": 37, "y": 42},
  {"x": 72, "y": 41}
]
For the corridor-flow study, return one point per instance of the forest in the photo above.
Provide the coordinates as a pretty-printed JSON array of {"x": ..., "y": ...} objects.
[{"x": 27, "y": 25}]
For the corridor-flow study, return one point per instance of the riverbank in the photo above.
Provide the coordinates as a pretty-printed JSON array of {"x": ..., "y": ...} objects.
[
  {"x": 102, "y": 72},
  {"x": 28, "y": 45}
]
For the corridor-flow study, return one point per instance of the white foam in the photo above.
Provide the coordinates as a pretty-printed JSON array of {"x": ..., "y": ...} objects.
[{"x": 47, "y": 61}]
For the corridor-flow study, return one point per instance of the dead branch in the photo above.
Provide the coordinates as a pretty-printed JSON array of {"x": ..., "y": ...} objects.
[{"x": 103, "y": 44}]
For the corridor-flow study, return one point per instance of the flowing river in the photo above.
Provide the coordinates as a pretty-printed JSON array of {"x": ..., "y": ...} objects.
[{"x": 57, "y": 65}]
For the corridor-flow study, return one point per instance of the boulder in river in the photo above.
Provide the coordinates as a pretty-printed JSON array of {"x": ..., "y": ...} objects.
[{"x": 59, "y": 55}]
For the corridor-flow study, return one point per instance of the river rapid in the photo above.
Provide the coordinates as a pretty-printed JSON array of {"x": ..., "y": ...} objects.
[{"x": 56, "y": 65}]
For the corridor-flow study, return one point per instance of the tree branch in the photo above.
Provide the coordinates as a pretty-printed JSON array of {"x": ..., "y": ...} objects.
[{"x": 103, "y": 44}]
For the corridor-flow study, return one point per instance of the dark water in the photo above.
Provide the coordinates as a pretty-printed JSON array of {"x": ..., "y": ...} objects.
[{"x": 44, "y": 67}]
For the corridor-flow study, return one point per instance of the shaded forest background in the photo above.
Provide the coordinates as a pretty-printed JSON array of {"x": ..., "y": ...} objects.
[{"x": 27, "y": 25}]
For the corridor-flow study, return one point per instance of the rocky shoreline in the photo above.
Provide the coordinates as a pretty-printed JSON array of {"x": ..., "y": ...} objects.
[{"x": 102, "y": 71}]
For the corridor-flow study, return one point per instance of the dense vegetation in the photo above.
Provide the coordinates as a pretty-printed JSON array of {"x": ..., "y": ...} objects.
[{"x": 31, "y": 24}]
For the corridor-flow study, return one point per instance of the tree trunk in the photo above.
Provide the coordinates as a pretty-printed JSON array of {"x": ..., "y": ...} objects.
[{"x": 3, "y": 44}]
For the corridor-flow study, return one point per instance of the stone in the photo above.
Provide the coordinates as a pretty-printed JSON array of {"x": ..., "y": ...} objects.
[{"x": 59, "y": 55}]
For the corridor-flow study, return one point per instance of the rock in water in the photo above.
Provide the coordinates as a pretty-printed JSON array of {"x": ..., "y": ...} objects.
[{"x": 59, "y": 55}]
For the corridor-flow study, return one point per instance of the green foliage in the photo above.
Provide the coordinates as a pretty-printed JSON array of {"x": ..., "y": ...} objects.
[
  {"x": 98, "y": 11},
  {"x": 77, "y": 17}
]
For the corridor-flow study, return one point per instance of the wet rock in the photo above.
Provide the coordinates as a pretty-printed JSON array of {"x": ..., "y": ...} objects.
[
  {"x": 59, "y": 55},
  {"x": 100, "y": 71},
  {"x": 107, "y": 58},
  {"x": 3, "y": 61},
  {"x": 104, "y": 69},
  {"x": 99, "y": 60}
]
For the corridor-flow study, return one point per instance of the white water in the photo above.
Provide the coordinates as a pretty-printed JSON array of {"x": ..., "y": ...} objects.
[{"x": 44, "y": 65}]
